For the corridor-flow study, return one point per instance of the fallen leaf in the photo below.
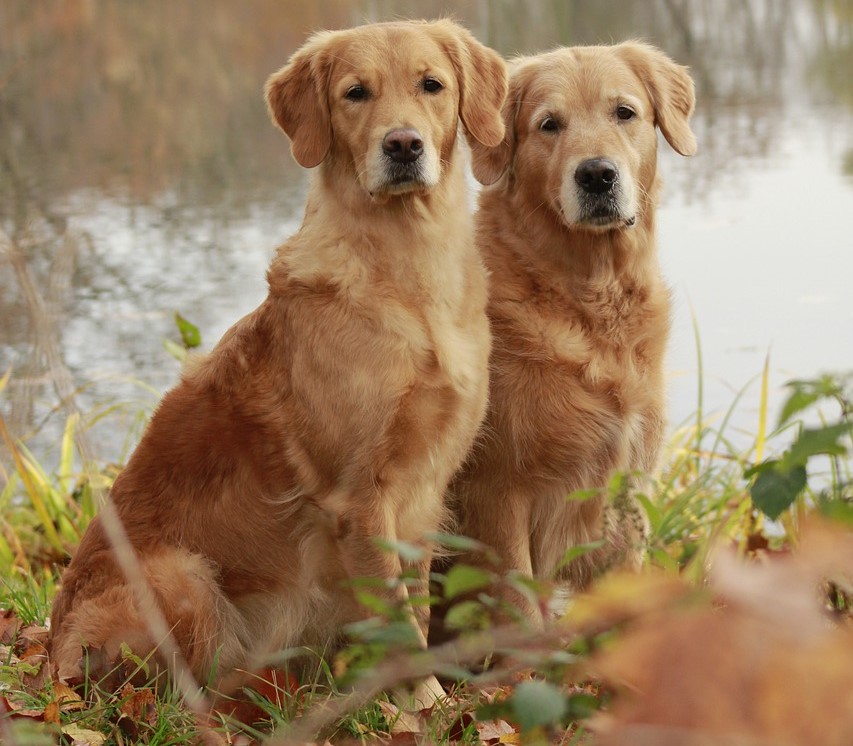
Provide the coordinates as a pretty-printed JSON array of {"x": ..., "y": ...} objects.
[
  {"x": 403, "y": 739},
  {"x": 456, "y": 730},
  {"x": 271, "y": 683},
  {"x": 16, "y": 709},
  {"x": 766, "y": 667},
  {"x": 274, "y": 684},
  {"x": 10, "y": 624},
  {"x": 400, "y": 721},
  {"x": 138, "y": 703},
  {"x": 35, "y": 673},
  {"x": 784, "y": 588},
  {"x": 33, "y": 650},
  {"x": 51, "y": 713},
  {"x": 67, "y": 698},
  {"x": 496, "y": 731},
  {"x": 34, "y": 634},
  {"x": 622, "y": 596},
  {"x": 83, "y": 736},
  {"x": 138, "y": 707}
]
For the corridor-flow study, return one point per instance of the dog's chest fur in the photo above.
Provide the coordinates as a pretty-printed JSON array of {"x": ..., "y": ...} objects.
[
  {"x": 589, "y": 353},
  {"x": 402, "y": 346}
]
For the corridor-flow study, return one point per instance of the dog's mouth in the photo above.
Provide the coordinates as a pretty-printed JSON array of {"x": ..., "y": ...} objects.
[
  {"x": 400, "y": 178},
  {"x": 604, "y": 213}
]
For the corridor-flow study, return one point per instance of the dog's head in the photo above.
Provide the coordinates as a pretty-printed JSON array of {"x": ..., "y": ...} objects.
[
  {"x": 580, "y": 130},
  {"x": 383, "y": 101}
]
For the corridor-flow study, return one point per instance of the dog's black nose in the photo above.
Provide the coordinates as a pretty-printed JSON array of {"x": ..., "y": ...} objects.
[
  {"x": 403, "y": 145},
  {"x": 596, "y": 175}
]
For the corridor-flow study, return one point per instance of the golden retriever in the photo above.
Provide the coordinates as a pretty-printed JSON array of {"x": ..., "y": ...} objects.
[
  {"x": 334, "y": 415},
  {"x": 578, "y": 308}
]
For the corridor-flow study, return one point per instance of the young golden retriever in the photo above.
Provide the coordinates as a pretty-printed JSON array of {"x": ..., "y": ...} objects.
[
  {"x": 579, "y": 311},
  {"x": 335, "y": 414}
]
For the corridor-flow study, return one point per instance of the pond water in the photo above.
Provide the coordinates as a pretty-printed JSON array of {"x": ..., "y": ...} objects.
[{"x": 139, "y": 176}]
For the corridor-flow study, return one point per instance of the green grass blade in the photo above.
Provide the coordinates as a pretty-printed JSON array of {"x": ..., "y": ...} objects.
[
  {"x": 38, "y": 504},
  {"x": 700, "y": 386},
  {"x": 66, "y": 459},
  {"x": 761, "y": 436}
]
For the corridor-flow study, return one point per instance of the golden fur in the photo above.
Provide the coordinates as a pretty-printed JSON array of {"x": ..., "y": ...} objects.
[
  {"x": 335, "y": 413},
  {"x": 578, "y": 309}
]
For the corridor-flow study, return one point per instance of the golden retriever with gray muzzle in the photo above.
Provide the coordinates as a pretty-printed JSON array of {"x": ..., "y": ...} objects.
[
  {"x": 578, "y": 308},
  {"x": 334, "y": 415}
]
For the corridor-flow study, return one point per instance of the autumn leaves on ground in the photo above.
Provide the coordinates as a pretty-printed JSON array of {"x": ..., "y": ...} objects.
[{"x": 738, "y": 631}]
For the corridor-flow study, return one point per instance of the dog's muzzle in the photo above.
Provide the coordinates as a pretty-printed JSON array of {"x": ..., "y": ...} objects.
[
  {"x": 600, "y": 193},
  {"x": 403, "y": 148}
]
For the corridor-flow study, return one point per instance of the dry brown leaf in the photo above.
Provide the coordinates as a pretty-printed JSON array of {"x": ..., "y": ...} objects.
[
  {"x": 51, "y": 713},
  {"x": 67, "y": 698},
  {"x": 139, "y": 704},
  {"x": 8, "y": 657},
  {"x": 17, "y": 709},
  {"x": 83, "y": 736},
  {"x": 38, "y": 680},
  {"x": 399, "y": 720},
  {"x": 767, "y": 668},
  {"x": 9, "y": 626},
  {"x": 402, "y": 739},
  {"x": 786, "y": 588},
  {"x": 622, "y": 596},
  {"x": 34, "y": 634},
  {"x": 495, "y": 731},
  {"x": 33, "y": 652}
]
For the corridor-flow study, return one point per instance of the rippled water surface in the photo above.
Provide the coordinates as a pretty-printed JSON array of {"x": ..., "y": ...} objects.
[{"x": 139, "y": 175}]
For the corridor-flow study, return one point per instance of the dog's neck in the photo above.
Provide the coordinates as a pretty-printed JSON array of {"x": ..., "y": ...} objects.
[
  {"x": 335, "y": 194},
  {"x": 410, "y": 240},
  {"x": 550, "y": 248}
]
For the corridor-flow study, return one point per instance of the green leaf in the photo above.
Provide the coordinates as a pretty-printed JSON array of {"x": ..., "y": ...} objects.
[
  {"x": 775, "y": 489},
  {"x": 582, "y": 706},
  {"x": 455, "y": 542},
  {"x": 840, "y": 511},
  {"x": 407, "y": 551},
  {"x": 578, "y": 551},
  {"x": 379, "y": 632},
  {"x": 128, "y": 655},
  {"x": 537, "y": 704},
  {"x": 661, "y": 559},
  {"x": 824, "y": 440},
  {"x": 190, "y": 335},
  {"x": 465, "y": 578},
  {"x": 806, "y": 393},
  {"x": 652, "y": 511},
  {"x": 175, "y": 350},
  {"x": 583, "y": 495},
  {"x": 374, "y": 603},
  {"x": 467, "y": 615}
]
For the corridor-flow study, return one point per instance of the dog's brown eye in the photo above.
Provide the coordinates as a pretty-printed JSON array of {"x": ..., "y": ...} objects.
[
  {"x": 624, "y": 112},
  {"x": 549, "y": 124},
  {"x": 356, "y": 93},
  {"x": 431, "y": 85}
]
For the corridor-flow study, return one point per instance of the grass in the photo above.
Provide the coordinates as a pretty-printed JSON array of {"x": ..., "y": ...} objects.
[{"x": 700, "y": 500}]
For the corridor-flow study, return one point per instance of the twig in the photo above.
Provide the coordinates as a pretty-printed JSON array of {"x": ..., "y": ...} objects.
[
  {"x": 410, "y": 667},
  {"x": 126, "y": 558}
]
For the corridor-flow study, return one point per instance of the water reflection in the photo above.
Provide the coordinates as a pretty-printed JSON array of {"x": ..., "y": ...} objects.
[{"x": 139, "y": 173}]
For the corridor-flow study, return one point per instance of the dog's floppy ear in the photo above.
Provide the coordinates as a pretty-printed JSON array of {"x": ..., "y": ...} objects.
[
  {"x": 490, "y": 163},
  {"x": 671, "y": 89},
  {"x": 297, "y": 101},
  {"x": 481, "y": 73}
]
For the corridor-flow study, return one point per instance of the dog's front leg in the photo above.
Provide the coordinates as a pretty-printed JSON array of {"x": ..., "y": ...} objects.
[
  {"x": 364, "y": 558},
  {"x": 421, "y": 593}
]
